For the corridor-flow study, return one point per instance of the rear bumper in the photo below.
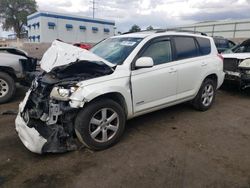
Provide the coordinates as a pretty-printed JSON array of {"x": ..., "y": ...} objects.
[
  {"x": 30, "y": 137},
  {"x": 221, "y": 80}
]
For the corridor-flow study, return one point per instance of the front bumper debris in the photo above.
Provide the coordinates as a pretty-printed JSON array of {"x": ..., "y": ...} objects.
[
  {"x": 241, "y": 77},
  {"x": 41, "y": 138},
  {"x": 30, "y": 137},
  {"x": 44, "y": 137}
]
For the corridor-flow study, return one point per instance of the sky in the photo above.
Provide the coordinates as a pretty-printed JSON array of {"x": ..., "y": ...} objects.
[{"x": 157, "y": 13}]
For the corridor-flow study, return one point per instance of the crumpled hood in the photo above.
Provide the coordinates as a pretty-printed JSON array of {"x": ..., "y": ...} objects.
[
  {"x": 61, "y": 53},
  {"x": 237, "y": 55}
]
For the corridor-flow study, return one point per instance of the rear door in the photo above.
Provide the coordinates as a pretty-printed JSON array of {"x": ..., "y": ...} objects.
[{"x": 191, "y": 64}]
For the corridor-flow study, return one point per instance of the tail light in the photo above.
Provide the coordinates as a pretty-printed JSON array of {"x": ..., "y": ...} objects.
[{"x": 220, "y": 56}]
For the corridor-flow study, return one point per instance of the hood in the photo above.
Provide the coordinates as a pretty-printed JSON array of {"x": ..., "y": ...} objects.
[
  {"x": 14, "y": 51},
  {"x": 61, "y": 53},
  {"x": 237, "y": 55}
]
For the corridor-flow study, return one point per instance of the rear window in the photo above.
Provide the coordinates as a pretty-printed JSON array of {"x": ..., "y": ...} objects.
[
  {"x": 185, "y": 47},
  {"x": 221, "y": 43},
  {"x": 205, "y": 46}
]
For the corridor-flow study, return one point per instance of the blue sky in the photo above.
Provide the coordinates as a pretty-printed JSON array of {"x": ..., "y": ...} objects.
[{"x": 158, "y": 13}]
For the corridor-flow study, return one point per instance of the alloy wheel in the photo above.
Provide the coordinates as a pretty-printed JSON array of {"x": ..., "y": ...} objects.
[
  {"x": 104, "y": 125},
  {"x": 207, "y": 95}
]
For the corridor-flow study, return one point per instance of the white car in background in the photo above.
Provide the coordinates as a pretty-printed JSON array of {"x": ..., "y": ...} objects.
[
  {"x": 236, "y": 64},
  {"x": 89, "y": 95},
  {"x": 15, "y": 66}
]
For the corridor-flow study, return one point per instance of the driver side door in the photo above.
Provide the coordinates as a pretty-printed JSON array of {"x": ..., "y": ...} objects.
[{"x": 155, "y": 86}]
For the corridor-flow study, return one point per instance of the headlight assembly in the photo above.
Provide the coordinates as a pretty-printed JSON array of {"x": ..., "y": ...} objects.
[
  {"x": 247, "y": 72},
  {"x": 62, "y": 94}
]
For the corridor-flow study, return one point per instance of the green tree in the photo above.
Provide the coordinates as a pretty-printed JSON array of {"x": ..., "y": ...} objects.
[
  {"x": 149, "y": 28},
  {"x": 135, "y": 28},
  {"x": 13, "y": 14}
]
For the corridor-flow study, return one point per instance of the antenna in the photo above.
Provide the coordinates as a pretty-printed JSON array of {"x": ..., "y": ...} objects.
[{"x": 93, "y": 7}]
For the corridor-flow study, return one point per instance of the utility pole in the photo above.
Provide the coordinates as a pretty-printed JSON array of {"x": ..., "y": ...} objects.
[{"x": 93, "y": 7}]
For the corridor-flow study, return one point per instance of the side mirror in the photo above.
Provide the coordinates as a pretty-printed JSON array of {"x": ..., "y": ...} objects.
[{"x": 144, "y": 62}]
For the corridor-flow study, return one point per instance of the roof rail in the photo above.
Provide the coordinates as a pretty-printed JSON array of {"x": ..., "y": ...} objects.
[
  {"x": 165, "y": 30},
  {"x": 180, "y": 30}
]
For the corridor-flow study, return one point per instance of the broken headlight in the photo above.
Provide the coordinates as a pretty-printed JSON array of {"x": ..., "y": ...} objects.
[{"x": 62, "y": 94}]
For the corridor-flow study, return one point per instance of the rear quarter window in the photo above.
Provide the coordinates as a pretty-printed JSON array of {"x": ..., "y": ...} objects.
[{"x": 204, "y": 45}]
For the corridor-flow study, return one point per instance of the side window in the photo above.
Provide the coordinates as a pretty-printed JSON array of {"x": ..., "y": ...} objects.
[
  {"x": 205, "y": 46},
  {"x": 247, "y": 49},
  {"x": 160, "y": 52},
  {"x": 185, "y": 47},
  {"x": 244, "y": 49}
]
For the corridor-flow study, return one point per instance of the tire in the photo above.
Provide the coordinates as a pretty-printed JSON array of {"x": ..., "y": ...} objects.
[
  {"x": 206, "y": 95},
  {"x": 91, "y": 127},
  {"x": 7, "y": 87}
]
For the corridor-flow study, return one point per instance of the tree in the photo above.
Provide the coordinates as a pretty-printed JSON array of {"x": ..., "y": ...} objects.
[
  {"x": 150, "y": 28},
  {"x": 135, "y": 28},
  {"x": 13, "y": 14}
]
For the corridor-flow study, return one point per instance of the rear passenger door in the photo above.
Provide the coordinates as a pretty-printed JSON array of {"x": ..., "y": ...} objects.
[{"x": 191, "y": 65}]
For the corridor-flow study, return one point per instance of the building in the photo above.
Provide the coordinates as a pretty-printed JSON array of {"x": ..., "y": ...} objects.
[
  {"x": 226, "y": 28},
  {"x": 45, "y": 27}
]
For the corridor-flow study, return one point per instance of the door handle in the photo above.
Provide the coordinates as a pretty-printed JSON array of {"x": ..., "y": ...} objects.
[
  {"x": 203, "y": 64},
  {"x": 172, "y": 70}
]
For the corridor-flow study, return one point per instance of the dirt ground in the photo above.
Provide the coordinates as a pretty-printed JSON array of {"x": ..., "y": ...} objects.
[{"x": 174, "y": 147}]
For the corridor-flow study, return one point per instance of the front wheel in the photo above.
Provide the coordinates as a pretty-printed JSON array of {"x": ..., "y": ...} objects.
[
  {"x": 206, "y": 95},
  {"x": 7, "y": 87},
  {"x": 100, "y": 124}
]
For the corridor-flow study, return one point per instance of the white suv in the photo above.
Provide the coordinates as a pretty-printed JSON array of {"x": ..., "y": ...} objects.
[{"x": 89, "y": 95}]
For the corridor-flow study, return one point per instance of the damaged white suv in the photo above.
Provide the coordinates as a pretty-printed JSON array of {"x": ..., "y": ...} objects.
[{"x": 88, "y": 95}]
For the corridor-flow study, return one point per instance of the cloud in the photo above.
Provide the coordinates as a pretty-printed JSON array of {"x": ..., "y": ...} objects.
[{"x": 158, "y": 13}]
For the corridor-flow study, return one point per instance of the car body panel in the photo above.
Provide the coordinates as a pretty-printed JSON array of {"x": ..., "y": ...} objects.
[{"x": 153, "y": 86}]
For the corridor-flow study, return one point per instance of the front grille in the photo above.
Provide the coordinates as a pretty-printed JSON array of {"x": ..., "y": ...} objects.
[{"x": 231, "y": 64}]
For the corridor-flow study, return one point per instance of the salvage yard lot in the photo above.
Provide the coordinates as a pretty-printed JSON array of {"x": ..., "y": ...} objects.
[{"x": 174, "y": 147}]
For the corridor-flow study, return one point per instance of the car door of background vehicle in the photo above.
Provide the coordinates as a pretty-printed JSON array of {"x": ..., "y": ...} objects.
[
  {"x": 190, "y": 66},
  {"x": 155, "y": 86}
]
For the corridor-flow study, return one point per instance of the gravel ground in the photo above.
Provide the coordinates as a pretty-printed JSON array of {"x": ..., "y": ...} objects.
[{"x": 174, "y": 147}]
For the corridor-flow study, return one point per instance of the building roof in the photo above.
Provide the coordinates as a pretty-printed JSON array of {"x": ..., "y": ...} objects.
[
  {"x": 69, "y": 17},
  {"x": 219, "y": 22}
]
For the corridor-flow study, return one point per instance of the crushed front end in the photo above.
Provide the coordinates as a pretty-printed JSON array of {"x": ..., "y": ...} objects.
[
  {"x": 48, "y": 119},
  {"x": 238, "y": 70},
  {"x": 244, "y": 69},
  {"x": 45, "y": 121}
]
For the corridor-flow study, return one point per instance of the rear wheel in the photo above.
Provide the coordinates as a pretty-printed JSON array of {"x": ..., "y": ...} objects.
[
  {"x": 100, "y": 124},
  {"x": 206, "y": 95},
  {"x": 7, "y": 87}
]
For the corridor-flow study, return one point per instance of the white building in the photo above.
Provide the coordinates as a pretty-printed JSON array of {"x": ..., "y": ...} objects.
[
  {"x": 48, "y": 26},
  {"x": 224, "y": 28}
]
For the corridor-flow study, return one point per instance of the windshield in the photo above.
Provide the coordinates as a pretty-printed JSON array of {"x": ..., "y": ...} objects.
[
  {"x": 116, "y": 50},
  {"x": 231, "y": 50},
  {"x": 242, "y": 48}
]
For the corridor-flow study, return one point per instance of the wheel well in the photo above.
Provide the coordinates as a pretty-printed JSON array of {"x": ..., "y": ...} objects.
[
  {"x": 9, "y": 71},
  {"x": 117, "y": 97},
  {"x": 213, "y": 77}
]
